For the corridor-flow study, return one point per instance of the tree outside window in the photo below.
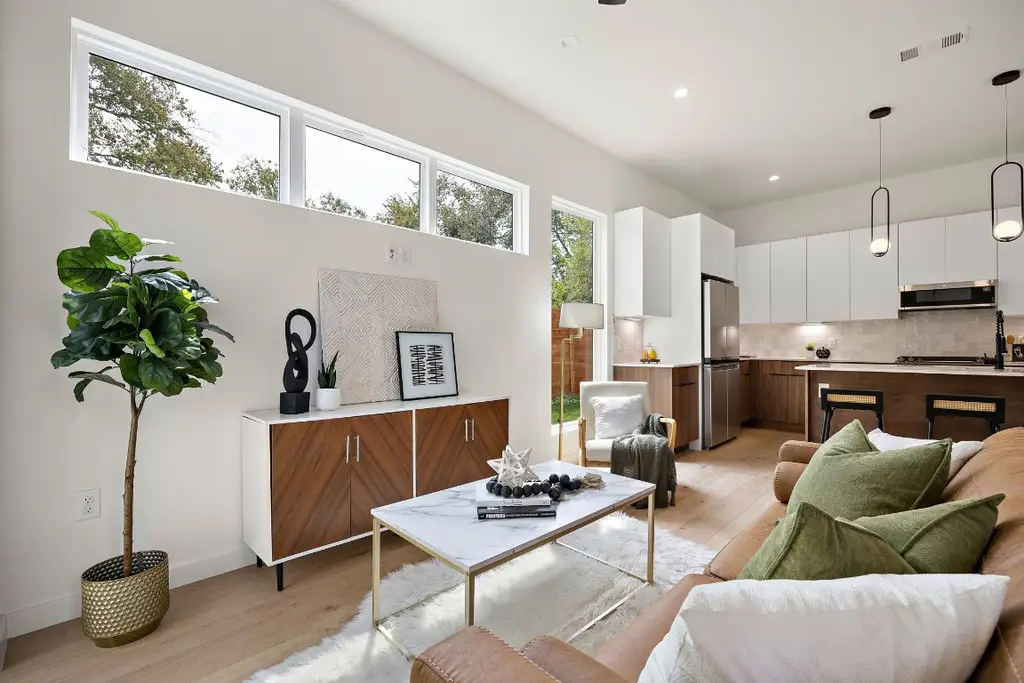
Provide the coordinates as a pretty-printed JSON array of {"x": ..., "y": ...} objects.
[{"x": 572, "y": 281}]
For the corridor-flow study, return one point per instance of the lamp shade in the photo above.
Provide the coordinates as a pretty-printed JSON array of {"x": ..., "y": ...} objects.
[{"x": 587, "y": 316}]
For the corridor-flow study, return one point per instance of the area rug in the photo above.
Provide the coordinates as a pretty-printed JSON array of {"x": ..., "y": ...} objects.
[{"x": 551, "y": 590}]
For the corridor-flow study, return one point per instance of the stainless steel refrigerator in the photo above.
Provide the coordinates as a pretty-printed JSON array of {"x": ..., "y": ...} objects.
[{"x": 720, "y": 400}]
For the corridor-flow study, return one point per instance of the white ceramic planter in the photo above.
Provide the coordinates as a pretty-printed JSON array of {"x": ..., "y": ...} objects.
[{"x": 328, "y": 399}]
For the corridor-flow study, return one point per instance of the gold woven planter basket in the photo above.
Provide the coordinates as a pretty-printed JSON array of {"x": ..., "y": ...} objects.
[{"x": 117, "y": 610}]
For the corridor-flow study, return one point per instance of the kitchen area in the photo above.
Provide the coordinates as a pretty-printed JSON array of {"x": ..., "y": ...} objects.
[{"x": 817, "y": 312}]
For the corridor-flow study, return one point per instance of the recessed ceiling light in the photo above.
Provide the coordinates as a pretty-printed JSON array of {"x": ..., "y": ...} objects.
[
  {"x": 570, "y": 41},
  {"x": 772, "y": 179},
  {"x": 680, "y": 93}
]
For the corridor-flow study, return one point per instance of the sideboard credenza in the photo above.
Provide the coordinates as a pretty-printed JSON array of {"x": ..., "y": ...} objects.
[{"x": 309, "y": 481}]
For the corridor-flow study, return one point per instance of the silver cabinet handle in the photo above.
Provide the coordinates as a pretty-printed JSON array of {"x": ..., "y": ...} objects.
[
  {"x": 347, "y": 448},
  {"x": 357, "y": 448},
  {"x": 465, "y": 434},
  {"x": 474, "y": 429}
]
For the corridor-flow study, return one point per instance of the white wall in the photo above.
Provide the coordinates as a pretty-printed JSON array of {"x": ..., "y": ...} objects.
[
  {"x": 259, "y": 257},
  {"x": 945, "y": 191}
]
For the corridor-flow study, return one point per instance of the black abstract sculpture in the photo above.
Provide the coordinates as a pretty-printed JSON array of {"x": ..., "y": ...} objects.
[{"x": 294, "y": 398}]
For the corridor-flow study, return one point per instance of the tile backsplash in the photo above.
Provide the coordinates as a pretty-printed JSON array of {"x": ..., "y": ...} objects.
[
  {"x": 629, "y": 340},
  {"x": 925, "y": 333}
]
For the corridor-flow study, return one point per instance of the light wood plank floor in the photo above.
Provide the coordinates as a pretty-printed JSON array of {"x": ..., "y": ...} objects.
[{"x": 225, "y": 628}]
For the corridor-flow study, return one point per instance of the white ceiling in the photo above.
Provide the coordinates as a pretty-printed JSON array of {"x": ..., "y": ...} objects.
[{"x": 778, "y": 86}]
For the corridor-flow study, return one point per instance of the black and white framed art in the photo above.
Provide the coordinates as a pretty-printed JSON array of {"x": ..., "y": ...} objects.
[{"x": 426, "y": 364}]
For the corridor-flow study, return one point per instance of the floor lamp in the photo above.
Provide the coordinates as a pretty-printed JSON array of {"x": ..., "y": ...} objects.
[{"x": 579, "y": 317}]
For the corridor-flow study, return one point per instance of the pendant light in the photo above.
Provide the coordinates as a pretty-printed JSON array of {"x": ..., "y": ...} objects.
[
  {"x": 1010, "y": 229},
  {"x": 880, "y": 246}
]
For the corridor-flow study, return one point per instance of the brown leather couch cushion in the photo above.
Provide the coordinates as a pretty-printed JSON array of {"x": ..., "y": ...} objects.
[
  {"x": 797, "y": 451},
  {"x": 627, "y": 651},
  {"x": 566, "y": 663},
  {"x": 731, "y": 559},
  {"x": 999, "y": 468},
  {"x": 786, "y": 474},
  {"x": 474, "y": 655}
]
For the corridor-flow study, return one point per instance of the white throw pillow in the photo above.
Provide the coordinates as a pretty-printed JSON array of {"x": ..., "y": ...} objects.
[
  {"x": 918, "y": 628},
  {"x": 616, "y": 415},
  {"x": 962, "y": 450}
]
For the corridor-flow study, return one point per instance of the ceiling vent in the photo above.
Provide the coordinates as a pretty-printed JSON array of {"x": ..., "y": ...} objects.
[{"x": 945, "y": 42}]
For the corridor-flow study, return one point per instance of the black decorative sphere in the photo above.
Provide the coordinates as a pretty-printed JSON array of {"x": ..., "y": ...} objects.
[
  {"x": 545, "y": 486},
  {"x": 493, "y": 480},
  {"x": 517, "y": 492},
  {"x": 538, "y": 488},
  {"x": 575, "y": 485},
  {"x": 553, "y": 479},
  {"x": 564, "y": 480},
  {"x": 490, "y": 486},
  {"x": 506, "y": 491},
  {"x": 527, "y": 490},
  {"x": 555, "y": 493}
]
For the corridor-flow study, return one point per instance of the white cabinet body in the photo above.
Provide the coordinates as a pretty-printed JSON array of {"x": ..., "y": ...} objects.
[
  {"x": 922, "y": 252},
  {"x": 874, "y": 280},
  {"x": 754, "y": 277},
  {"x": 642, "y": 264},
  {"x": 789, "y": 281},
  {"x": 717, "y": 249},
  {"x": 828, "y": 277},
  {"x": 971, "y": 252},
  {"x": 1010, "y": 288}
]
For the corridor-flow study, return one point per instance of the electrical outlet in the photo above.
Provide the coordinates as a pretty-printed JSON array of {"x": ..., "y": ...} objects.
[
  {"x": 820, "y": 387},
  {"x": 833, "y": 342},
  {"x": 88, "y": 502},
  {"x": 406, "y": 255},
  {"x": 393, "y": 255}
]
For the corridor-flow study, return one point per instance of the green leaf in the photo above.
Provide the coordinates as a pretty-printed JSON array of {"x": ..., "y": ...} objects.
[
  {"x": 63, "y": 358},
  {"x": 106, "y": 219},
  {"x": 200, "y": 325},
  {"x": 155, "y": 374},
  {"x": 130, "y": 369},
  {"x": 151, "y": 344},
  {"x": 174, "y": 387},
  {"x": 100, "y": 310},
  {"x": 84, "y": 269},
  {"x": 190, "y": 350},
  {"x": 146, "y": 241},
  {"x": 72, "y": 321},
  {"x": 153, "y": 271},
  {"x": 167, "y": 282},
  {"x": 123, "y": 245},
  {"x": 211, "y": 367},
  {"x": 165, "y": 327},
  {"x": 80, "y": 390},
  {"x": 169, "y": 258},
  {"x": 98, "y": 377},
  {"x": 193, "y": 383}
]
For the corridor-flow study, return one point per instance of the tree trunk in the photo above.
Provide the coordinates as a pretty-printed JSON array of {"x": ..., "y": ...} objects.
[{"x": 129, "y": 485}]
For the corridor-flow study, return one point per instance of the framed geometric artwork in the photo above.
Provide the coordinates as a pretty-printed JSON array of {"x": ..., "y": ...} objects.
[{"x": 426, "y": 364}]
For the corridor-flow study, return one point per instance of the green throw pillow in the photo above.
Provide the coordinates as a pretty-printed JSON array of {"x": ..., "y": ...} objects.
[
  {"x": 850, "y": 439},
  {"x": 942, "y": 539},
  {"x": 856, "y": 485},
  {"x": 809, "y": 545}
]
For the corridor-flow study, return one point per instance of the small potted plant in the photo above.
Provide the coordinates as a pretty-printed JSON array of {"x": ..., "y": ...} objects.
[
  {"x": 810, "y": 347},
  {"x": 328, "y": 396}
]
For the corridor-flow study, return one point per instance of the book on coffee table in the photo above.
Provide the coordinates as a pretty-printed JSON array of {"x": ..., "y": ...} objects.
[{"x": 514, "y": 511}]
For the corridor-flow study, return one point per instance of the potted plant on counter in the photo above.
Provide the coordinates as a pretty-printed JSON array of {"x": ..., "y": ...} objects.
[
  {"x": 328, "y": 396},
  {"x": 810, "y": 347},
  {"x": 146, "y": 326}
]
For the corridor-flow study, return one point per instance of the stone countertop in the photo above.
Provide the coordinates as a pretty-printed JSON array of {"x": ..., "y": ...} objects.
[
  {"x": 892, "y": 368},
  {"x": 662, "y": 364}
]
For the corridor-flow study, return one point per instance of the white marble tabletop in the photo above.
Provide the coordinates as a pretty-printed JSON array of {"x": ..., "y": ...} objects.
[
  {"x": 445, "y": 523},
  {"x": 911, "y": 369}
]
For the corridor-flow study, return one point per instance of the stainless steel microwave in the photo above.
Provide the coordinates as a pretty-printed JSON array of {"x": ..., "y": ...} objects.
[{"x": 977, "y": 294}]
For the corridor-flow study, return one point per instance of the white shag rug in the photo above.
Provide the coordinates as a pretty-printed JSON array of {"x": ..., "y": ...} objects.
[{"x": 551, "y": 590}]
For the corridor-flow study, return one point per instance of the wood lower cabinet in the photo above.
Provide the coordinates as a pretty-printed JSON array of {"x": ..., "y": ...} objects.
[
  {"x": 380, "y": 452},
  {"x": 674, "y": 393},
  {"x": 779, "y": 389},
  {"x": 748, "y": 386},
  {"x": 454, "y": 443}
]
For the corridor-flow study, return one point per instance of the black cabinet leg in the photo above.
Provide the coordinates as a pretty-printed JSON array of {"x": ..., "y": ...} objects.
[
  {"x": 279, "y": 568},
  {"x": 259, "y": 561}
]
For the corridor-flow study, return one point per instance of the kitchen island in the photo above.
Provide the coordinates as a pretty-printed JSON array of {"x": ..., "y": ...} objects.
[{"x": 904, "y": 388}]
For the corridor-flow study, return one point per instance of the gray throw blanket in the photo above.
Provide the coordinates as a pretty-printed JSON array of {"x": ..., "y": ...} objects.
[{"x": 645, "y": 455}]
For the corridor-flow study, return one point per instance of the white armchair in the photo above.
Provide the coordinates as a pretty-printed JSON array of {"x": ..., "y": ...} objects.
[{"x": 599, "y": 451}]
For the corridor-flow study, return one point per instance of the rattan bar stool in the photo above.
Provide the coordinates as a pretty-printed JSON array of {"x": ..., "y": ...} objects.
[
  {"x": 848, "y": 399},
  {"x": 990, "y": 408}
]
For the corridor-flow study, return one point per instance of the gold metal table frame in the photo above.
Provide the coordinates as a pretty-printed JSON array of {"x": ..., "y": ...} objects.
[{"x": 470, "y": 577}]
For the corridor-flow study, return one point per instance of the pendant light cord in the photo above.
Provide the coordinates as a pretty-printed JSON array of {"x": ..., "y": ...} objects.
[
  {"x": 1006, "y": 124},
  {"x": 879, "y": 152}
]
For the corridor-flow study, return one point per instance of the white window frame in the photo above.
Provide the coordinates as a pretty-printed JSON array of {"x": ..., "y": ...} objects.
[
  {"x": 294, "y": 116},
  {"x": 601, "y": 292}
]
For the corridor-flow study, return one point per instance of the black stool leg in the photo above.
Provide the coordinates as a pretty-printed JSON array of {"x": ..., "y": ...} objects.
[
  {"x": 259, "y": 561},
  {"x": 931, "y": 426},
  {"x": 826, "y": 425},
  {"x": 881, "y": 427},
  {"x": 994, "y": 426},
  {"x": 280, "y": 576}
]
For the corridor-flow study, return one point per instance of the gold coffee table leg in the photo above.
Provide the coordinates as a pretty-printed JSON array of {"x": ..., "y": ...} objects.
[
  {"x": 375, "y": 586},
  {"x": 650, "y": 538},
  {"x": 470, "y": 599}
]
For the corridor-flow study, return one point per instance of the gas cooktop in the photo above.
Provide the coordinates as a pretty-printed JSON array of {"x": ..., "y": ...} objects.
[{"x": 945, "y": 360}]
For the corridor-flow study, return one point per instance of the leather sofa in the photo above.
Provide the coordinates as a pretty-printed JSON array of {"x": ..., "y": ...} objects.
[{"x": 475, "y": 656}]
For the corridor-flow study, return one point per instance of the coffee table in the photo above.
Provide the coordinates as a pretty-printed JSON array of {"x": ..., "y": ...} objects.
[{"x": 445, "y": 526}]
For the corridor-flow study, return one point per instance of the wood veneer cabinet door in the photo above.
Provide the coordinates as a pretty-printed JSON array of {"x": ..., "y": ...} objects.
[
  {"x": 488, "y": 436},
  {"x": 447, "y": 454},
  {"x": 381, "y": 464},
  {"x": 309, "y": 485}
]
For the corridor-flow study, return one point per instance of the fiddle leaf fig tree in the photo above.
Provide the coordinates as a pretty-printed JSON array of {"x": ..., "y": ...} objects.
[{"x": 144, "y": 326}]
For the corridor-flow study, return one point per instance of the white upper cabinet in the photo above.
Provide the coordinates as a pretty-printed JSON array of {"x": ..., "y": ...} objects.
[
  {"x": 789, "y": 281},
  {"x": 874, "y": 280},
  {"x": 754, "y": 277},
  {"x": 642, "y": 264},
  {"x": 922, "y": 253},
  {"x": 717, "y": 249},
  {"x": 971, "y": 252},
  {"x": 828, "y": 277},
  {"x": 1010, "y": 288}
]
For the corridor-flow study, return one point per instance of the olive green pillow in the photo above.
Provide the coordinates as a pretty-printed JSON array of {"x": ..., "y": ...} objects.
[
  {"x": 809, "y": 545},
  {"x": 856, "y": 485},
  {"x": 850, "y": 439},
  {"x": 942, "y": 539}
]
